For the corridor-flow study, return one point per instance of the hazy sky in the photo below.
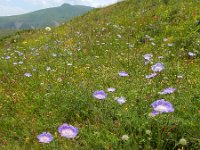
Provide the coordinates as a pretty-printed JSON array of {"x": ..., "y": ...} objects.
[{"x": 14, "y": 7}]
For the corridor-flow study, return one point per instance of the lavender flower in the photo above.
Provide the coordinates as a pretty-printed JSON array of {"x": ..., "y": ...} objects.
[
  {"x": 162, "y": 106},
  {"x": 100, "y": 95},
  {"x": 123, "y": 74},
  {"x": 148, "y": 57},
  {"x": 191, "y": 54},
  {"x": 151, "y": 75},
  {"x": 8, "y": 57},
  {"x": 157, "y": 67},
  {"x": 68, "y": 131},
  {"x": 45, "y": 137},
  {"x": 168, "y": 91},
  {"x": 27, "y": 74},
  {"x": 120, "y": 100},
  {"x": 111, "y": 89}
]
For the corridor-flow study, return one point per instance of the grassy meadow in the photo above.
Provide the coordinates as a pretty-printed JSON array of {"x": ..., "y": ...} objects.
[{"x": 48, "y": 78}]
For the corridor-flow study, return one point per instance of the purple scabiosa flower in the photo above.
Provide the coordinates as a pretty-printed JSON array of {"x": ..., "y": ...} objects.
[
  {"x": 151, "y": 75},
  {"x": 162, "y": 106},
  {"x": 8, "y": 57},
  {"x": 27, "y": 74},
  {"x": 45, "y": 137},
  {"x": 100, "y": 95},
  {"x": 143, "y": 40},
  {"x": 157, "y": 67},
  {"x": 120, "y": 100},
  {"x": 148, "y": 57},
  {"x": 168, "y": 91},
  {"x": 111, "y": 89},
  {"x": 123, "y": 74},
  {"x": 191, "y": 54},
  {"x": 68, "y": 131}
]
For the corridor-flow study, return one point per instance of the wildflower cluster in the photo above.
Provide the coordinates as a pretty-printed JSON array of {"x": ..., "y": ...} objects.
[{"x": 65, "y": 130}]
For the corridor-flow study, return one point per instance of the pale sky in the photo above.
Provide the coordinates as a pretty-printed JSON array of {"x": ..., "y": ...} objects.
[{"x": 15, "y": 7}]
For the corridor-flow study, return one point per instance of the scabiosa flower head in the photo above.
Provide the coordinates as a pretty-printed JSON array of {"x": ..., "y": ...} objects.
[
  {"x": 54, "y": 55},
  {"x": 69, "y": 64},
  {"x": 48, "y": 29},
  {"x": 100, "y": 94},
  {"x": 180, "y": 76},
  {"x": 45, "y": 137},
  {"x": 191, "y": 54},
  {"x": 48, "y": 68},
  {"x": 27, "y": 74},
  {"x": 123, "y": 74},
  {"x": 148, "y": 57},
  {"x": 168, "y": 91},
  {"x": 8, "y": 57},
  {"x": 170, "y": 44},
  {"x": 165, "y": 39},
  {"x": 160, "y": 57},
  {"x": 68, "y": 131},
  {"x": 125, "y": 137},
  {"x": 120, "y": 100},
  {"x": 162, "y": 106},
  {"x": 157, "y": 67},
  {"x": 111, "y": 89},
  {"x": 183, "y": 141},
  {"x": 151, "y": 75},
  {"x": 148, "y": 132}
]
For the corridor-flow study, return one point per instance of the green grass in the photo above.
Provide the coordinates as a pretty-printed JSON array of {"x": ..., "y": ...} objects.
[{"x": 47, "y": 99}]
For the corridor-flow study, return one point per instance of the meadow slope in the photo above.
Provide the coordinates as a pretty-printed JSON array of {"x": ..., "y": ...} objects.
[{"x": 48, "y": 78}]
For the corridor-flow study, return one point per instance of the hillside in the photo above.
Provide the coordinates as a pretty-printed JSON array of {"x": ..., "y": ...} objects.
[
  {"x": 124, "y": 77},
  {"x": 45, "y": 17},
  {"x": 7, "y": 32}
]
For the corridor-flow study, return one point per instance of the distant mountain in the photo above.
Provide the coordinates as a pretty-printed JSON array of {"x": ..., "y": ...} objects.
[{"x": 45, "y": 17}]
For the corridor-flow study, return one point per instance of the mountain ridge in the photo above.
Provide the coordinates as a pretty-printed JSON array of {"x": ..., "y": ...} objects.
[{"x": 44, "y": 17}]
